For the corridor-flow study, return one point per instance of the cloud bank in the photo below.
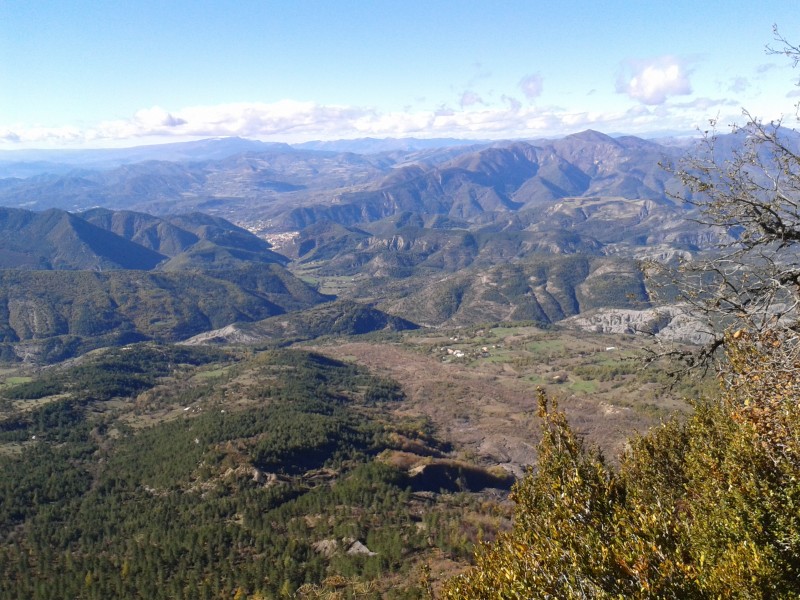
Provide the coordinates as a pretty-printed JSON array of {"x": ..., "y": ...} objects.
[{"x": 295, "y": 121}]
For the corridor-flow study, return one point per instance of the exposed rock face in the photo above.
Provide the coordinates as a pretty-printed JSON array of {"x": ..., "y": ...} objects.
[
  {"x": 359, "y": 548},
  {"x": 230, "y": 334},
  {"x": 512, "y": 454},
  {"x": 669, "y": 323},
  {"x": 454, "y": 475},
  {"x": 330, "y": 547},
  {"x": 266, "y": 479},
  {"x": 326, "y": 547}
]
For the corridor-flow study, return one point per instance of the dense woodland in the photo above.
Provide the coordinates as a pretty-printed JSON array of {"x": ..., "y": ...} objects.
[{"x": 212, "y": 502}]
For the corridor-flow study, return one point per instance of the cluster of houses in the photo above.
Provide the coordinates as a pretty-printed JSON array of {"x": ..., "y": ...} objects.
[{"x": 458, "y": 353}]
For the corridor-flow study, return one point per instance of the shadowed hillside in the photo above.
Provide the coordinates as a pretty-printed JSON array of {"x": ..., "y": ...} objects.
[{"x": 54, "y": 314}]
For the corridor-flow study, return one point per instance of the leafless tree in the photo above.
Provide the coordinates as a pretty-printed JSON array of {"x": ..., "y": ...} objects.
[{"x": 747, "y": 186}]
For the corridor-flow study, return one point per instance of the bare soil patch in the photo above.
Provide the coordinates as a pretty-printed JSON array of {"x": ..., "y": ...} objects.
[{"x": 480, "y": 389}]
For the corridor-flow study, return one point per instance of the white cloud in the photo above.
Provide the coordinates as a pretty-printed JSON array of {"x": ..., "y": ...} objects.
[
  {"x": 39, "y": 135},
  {"x": 765, "y": 68},
  {"x": 739, "y": 84},
  {"x": 470, "y": 98},
  {"x": 157, "y": 117},
  {"x": 7, "y": 135},
  {"x": 294, "y": 121},
  {"x": 286, "y": 117},
  {"x": 531, "y": 86},
  {"x": 653, "y": 81},
  {"x": 443, "y": 110},
  {"x": 513, "y": 104}
]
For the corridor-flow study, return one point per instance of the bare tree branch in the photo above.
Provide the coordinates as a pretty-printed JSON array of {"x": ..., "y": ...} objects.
[{"x": 746, "y": 186}]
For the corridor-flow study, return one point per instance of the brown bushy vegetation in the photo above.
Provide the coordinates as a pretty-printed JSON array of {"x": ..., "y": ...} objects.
[{"x": 704, "y": 508}]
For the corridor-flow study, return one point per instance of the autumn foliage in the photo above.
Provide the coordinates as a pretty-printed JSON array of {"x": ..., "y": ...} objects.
[{"x": 708, "y": 507}]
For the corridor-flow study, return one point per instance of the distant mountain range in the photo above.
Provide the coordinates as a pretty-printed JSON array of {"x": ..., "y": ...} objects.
[
  {"x": 431, "y": 231},
  {"x": 26, "y": 163},
  {"x": 290, "y": 188},
  {"x": 479, "y": 185}
]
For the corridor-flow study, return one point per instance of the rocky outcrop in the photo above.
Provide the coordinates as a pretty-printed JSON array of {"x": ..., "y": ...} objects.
[
  {"x": 350, "y": 546},
  {"x": 671, "y": 323}
]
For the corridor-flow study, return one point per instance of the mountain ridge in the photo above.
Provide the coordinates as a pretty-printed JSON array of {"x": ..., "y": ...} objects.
[
  {"x": 292, "y": 187},
  {"x": 103, "y": 239}
]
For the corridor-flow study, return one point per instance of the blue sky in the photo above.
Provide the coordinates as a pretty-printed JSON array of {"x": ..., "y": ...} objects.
[{"x": 120, "y": 73}]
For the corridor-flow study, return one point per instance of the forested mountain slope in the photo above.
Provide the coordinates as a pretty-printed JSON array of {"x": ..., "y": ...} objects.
[
  {"x": 74, "y": 282},
  {"x": 55, "y": 314},
  {"x": 166, "y": 472}
]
